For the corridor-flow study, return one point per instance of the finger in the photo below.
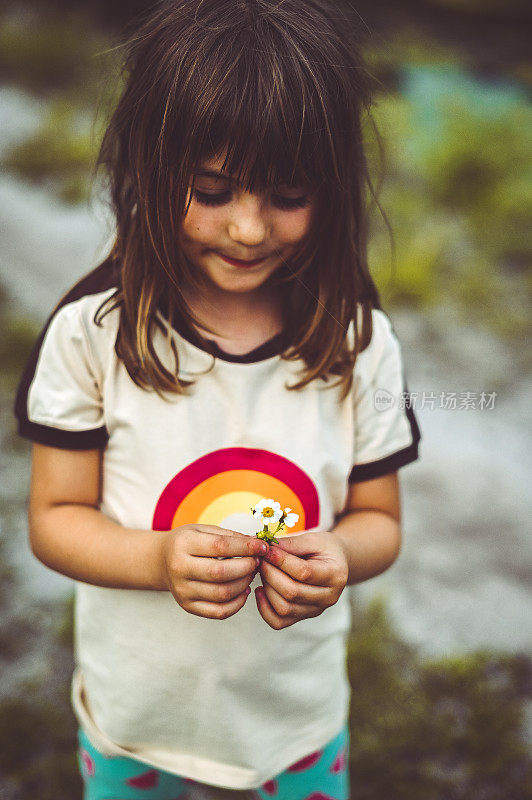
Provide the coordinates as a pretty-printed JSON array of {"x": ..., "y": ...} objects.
[
  {"x": 215, "y": 529},
  {"x": 268, "y": 613},
  {"x": 203, "y": 608},
  {"x": 225, "y": 545},
  {"x": 310, "y": 571},
  {"x": 292, "y": 591},
  {"x": 302, "y": 544},
  {"x": 213, "y": 571},
  {"x": 286, "y": 610},
  {"x": 217, "y": 592}
]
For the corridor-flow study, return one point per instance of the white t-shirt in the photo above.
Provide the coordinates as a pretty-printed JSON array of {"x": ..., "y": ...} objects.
[{"x": 230, "y": 703}]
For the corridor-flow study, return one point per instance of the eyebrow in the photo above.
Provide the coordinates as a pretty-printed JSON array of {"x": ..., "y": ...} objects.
[{"x": 209, "y": 173}]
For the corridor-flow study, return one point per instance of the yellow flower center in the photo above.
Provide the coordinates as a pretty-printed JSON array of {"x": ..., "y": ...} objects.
[{"x": 267, "y": 512}]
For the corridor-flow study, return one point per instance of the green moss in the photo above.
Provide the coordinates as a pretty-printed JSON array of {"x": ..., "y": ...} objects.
[
  {"x": 67, "y": 60},
  {"x": 385, "y": 56},
  {"x": 21, "y": 727},
  {"x": 37, "y": 746},
  {"x": 410, "y": 275},
  {"x": 37, "y": 726},
  {"x": 7, "y": 581},
  {"x": 482, "y": 169},
  {"x": 54, "y": 775},
  {"x": 62, "y": 150},
  {"x": 459, "y": 212},
  {"x": 74, "y": 189},
  {"x": 428, "y": 729},
  {"x": 65, "y": 626},
  {"x": 17, "y": 337},
  {"x": 45, "y": 52},
  {"x": 15, "y": 640},
  {"x": 480, "y": 6}
]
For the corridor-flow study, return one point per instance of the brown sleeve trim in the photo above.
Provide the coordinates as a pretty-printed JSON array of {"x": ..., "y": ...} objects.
[
  {"x": 103, "y": 277},
  {"x": 67, "y": 440},
  {"x": 375, "y": 469}
]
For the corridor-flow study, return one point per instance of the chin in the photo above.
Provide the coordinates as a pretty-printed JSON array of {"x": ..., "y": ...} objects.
[
  {"x": 240, "y": 281},
  {"x": 242, "y": 288}
]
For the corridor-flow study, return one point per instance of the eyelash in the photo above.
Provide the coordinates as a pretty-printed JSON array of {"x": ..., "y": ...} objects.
[{"x": 286, "y": 203}]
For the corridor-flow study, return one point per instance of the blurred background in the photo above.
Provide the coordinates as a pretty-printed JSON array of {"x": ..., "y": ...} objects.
[{"x": 440, "y": 653}]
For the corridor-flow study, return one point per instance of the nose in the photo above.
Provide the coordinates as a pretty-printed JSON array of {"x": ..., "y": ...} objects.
[{"x": 248, "y": 224}]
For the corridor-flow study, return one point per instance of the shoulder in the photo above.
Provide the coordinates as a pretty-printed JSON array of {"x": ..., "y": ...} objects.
[
  {"x": 76, "y": 312},
  {"x": 84, "y": 312},
  {"x": 99, "y": 280},
  {"x": 386, "y": 430},
  {"x": 382, "y": 338},
  {"x": 381, "y": 360},
  {"x": 70, "y": 338}
]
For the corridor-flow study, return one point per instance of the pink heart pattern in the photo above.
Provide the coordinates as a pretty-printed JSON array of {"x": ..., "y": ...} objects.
[
  {"x": 87, "y": 761},
  {"x": 270, "y": 787},
  {"x": 320, "y": 796},
  {"x": 145, "y": 781},
  {"x": 306, "y": 763},
  {"x": 339, "y": 762}
]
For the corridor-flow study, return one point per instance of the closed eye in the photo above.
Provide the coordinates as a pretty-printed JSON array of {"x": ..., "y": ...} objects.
[
  {"x": 212, "y": 199},
  {"x": 290, "y": 202},
  {"x": 221, "y": 198}
]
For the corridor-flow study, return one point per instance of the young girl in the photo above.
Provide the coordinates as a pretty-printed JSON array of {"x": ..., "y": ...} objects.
[{"x": 231, "y": 348}]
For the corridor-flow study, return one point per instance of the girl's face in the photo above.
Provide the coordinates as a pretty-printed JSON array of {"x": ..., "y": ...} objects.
[{"x": 238, "y": 239}]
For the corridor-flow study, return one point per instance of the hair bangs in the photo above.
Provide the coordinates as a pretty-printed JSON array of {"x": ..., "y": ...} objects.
[{"x": 262, "y": 112}]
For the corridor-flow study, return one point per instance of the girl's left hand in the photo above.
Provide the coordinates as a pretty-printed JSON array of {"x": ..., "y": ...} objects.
[{"x": 301, "y": 577}]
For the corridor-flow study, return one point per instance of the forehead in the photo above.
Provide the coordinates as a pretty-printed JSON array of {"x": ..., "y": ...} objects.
[
  {"x": 216, "y": 169},
  {"x": 212, "y": 168}
]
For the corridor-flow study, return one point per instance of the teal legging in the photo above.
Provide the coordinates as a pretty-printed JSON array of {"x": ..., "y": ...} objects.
[{"x": 322, "y": 775}]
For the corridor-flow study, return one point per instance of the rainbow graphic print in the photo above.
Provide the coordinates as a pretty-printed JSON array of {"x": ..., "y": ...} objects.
[{"x": 221, "y": 487}]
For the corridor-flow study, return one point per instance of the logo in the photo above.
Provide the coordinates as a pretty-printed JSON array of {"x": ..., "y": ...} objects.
[{"x": 383, "y": 400}]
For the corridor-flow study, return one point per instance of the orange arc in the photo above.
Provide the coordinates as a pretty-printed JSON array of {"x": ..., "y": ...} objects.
[{"x": 192, "y": 506}]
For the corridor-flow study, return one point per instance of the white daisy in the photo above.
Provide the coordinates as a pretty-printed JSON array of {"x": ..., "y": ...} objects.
[
  {"x": 267, "y": 511},
  {"x": 290, "y": 518}
]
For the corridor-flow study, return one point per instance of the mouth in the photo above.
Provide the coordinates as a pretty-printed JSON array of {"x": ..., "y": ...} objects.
[{"x": 236, "y": 262}]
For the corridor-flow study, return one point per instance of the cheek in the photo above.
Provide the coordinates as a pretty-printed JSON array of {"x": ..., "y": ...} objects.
[
  {"x": 294, "y": 227},
  {"x": 199, "y": 225}
]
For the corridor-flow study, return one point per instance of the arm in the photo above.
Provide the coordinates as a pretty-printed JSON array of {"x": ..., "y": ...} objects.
[
  {"x": 71, "y": 535},
  {"x": 370, "y": 527},
  {"x": 305, "y": 574}
]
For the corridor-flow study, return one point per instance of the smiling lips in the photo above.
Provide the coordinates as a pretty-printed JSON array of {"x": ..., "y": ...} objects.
[{"x": 238, "y": 263}]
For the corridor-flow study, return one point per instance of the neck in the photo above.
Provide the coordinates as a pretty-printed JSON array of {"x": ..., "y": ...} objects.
[{"x": 234, "y": 312}]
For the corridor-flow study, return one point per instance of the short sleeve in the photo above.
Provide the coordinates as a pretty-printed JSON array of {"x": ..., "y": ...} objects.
[
  {"x": 386, "y": 433},
  {"x": 59, "y": 401}
]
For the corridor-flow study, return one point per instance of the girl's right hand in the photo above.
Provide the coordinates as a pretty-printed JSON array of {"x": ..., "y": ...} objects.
[{"x": 202, "y": 571}]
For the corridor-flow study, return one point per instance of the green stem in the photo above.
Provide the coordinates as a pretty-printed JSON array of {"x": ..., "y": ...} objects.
[{"x": 270, "y": 537}]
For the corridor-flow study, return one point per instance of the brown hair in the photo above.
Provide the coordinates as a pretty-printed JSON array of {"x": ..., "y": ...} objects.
[{"x": 281, "y": 86}]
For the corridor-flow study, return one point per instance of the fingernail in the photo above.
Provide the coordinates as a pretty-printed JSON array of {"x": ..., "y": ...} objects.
[
  {"x": 264, "y": 547},
  {"x": 257, "y": 562}
]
